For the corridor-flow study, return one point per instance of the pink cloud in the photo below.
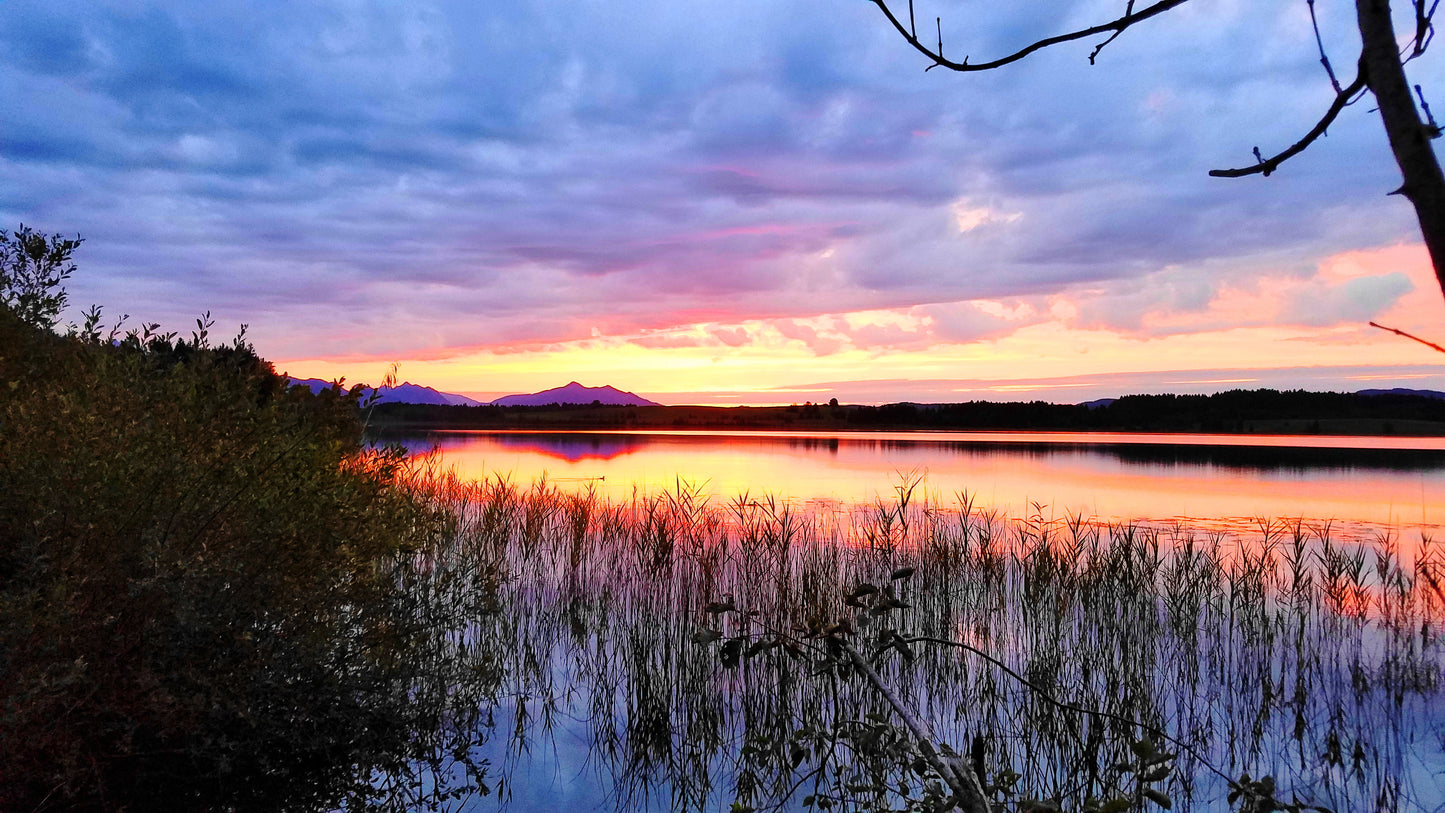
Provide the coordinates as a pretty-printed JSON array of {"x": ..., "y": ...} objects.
[
  {"x": 1347, "y": 289},
  {"x": 732, "y": 337},
  {"x": 667, "y": 341}
]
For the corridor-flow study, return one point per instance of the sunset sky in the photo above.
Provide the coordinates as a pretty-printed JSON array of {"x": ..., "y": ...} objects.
[{"x": 752, "y": 201}]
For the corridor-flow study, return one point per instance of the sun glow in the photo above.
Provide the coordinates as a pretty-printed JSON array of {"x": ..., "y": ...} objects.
[{"x": 1023, "y": 347}]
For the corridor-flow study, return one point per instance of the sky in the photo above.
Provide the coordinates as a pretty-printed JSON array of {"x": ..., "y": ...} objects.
[{"x": 741, "y": 202}]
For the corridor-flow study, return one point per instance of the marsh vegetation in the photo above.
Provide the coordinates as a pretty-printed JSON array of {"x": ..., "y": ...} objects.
[{"x": 688, "y": 639}]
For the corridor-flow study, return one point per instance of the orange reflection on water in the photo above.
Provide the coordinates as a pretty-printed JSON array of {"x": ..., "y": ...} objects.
[{"x": 1362, "y": 486}]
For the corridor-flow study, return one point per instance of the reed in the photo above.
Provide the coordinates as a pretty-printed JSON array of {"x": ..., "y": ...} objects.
[{"x": 678, "y": 631}]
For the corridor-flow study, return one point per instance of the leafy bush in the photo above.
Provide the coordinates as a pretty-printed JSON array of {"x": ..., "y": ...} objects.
[
  {"x": 199, "y": 595},
  {"x": 32, "y": 266}
]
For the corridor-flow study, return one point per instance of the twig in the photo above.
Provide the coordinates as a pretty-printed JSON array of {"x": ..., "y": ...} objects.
[
  {"x": 1324, "y": 58},
  {"x": 1343, "y": 99},
  {"x": 966, "y": 786},
  {"x": 1050, "y": 699},
  {"x": 1424, "y": 29},
  {"x": 1398, "y": 332},
  {"x": 1117, "y": 25},
  {"x": 1129, "y": 9}
]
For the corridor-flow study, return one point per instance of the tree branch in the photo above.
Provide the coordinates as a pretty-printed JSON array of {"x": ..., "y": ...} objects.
[
  {"x": 966, "y": 786},
  {"x": 1115, "y": 27},
  {"x": 1324, "y": 58},
  {"x": 1094, "y": 54},
  {"x": 1049, "y": 698},
  {"x": 1398, "y": 332},
  {"x": 1269, "y": 165},
  {"x": 1424, "y": 30}
]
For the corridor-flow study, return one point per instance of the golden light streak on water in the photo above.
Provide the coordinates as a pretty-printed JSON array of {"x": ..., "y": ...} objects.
[{"x": 1209, "y": 482}]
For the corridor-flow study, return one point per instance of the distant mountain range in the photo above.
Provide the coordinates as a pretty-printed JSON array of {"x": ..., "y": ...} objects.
[
  {"x": 404, "y": 393},
  {"x": 575, "y": 393},
  {"x": 1402, "y": 391}
]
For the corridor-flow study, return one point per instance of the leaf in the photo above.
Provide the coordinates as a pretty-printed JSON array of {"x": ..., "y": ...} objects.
[
  {"x": 902, "y": 647},
  {"x": 758, "y": 646},
  {"x": 716, "y": 607},
  {"x": 1159, "y": 798},
  {"x": 731, "y": 651},
  {"x": 1155, "y": 774},
  {"x": 1143, "y": 748}
]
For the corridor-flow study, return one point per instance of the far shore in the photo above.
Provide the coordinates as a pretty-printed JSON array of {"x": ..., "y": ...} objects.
[{"x": 1256, "y": 412}]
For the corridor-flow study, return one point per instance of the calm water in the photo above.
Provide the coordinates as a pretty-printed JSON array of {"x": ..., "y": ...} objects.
[
  {"x": 607, "y": 701},
  {"x": 1361, "y": 486}
]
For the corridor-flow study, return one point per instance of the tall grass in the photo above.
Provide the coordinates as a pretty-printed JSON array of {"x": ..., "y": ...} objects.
[{"x": 1282, "y": 653}]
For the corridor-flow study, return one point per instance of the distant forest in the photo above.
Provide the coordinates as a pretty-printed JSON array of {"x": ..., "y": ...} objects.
[{"x": 1262, "y": 411}]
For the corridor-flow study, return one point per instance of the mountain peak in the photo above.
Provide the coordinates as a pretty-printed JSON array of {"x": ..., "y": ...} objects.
[
  {"x": 404, "y": 393},
  {"x": 575, "y": 393}
]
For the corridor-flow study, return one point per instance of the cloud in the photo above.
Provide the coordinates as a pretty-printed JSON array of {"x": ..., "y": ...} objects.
[
  {"x": 668, "y": 341},
  {"x": 811, "y": 337},
  {"x": 732, "y": 337},
  {"x": 1356, "y": 300},
  {"x": 431, "y": 178}
]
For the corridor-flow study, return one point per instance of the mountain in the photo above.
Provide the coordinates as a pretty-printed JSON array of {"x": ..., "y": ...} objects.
[
  {"x": 1402, "y": 391},
  {"x": 575, "y": 393},
  {"x": 404, "y": 393},
  {"x": 409, "y": 393}
]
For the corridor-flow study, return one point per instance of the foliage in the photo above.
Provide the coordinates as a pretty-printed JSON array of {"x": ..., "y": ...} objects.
[
  {"x": 203, "y": 584},
  {"x": 904, "y": 762},
  {"x": 32, "y": 266}
]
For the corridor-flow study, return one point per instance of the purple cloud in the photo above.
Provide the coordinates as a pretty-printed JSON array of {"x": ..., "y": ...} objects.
[{"x": 403, "y": 179}]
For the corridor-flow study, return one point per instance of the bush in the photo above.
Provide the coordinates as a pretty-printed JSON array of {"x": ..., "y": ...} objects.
[{"x": 199, "y": 604}]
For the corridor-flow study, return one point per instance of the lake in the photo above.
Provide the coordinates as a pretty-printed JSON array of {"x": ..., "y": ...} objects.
[
  {"x": 1363, "y": 487},
  {"x": 644, "y": 646}
]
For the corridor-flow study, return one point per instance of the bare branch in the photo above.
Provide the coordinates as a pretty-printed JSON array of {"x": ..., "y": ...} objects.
[
  {"x": 1129, "y": 9},
  {"x": 966, "y": 786},
  {"x": 1115, "y": 27},
  {"x": 1424, "y": 30},
  {"x": 1269, "y": 165},
  {"x": 1430, "y": 125},
  {"x": 1324, "y": 58},
  {"x": 1049, "y": 698},
  {"x": 1398, "y": 332}
]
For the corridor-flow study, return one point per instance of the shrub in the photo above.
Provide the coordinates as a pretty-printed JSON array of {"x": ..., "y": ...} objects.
[
  {"x": 32, "y": 266},
  {"x": 199, "y": 606}
]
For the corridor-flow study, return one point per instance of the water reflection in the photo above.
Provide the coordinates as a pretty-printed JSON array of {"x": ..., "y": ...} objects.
[
  {"x": 1286, "y": 655},
  {"x": 572, "y": 448},
  {"x": 1365, "y": 486}
]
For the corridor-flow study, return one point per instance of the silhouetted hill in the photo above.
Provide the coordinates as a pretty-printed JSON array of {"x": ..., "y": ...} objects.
[
  {"x": 1402, "y": 391},
  {"x": 575, "y": 393}
]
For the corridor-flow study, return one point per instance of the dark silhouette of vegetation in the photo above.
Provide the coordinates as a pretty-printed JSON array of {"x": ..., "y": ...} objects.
[
  {"x": 32, "y": 266},
  {"x": 1380, "y": 70},
  {"x": 1233, "y": 412},
  {"x": 204, "y": 598}
]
